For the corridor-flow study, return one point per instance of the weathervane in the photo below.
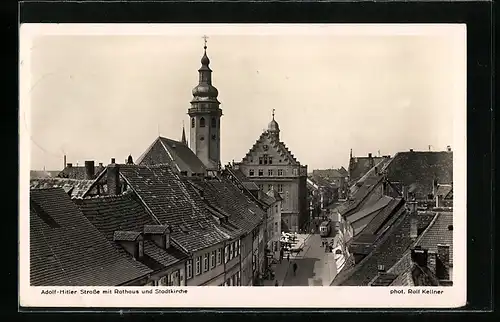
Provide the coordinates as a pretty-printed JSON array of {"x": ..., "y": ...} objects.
[{"x": 205, "y": 37}]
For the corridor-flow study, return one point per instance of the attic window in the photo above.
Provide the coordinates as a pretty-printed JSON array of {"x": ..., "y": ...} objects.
[{"x": 450, "y": 227}]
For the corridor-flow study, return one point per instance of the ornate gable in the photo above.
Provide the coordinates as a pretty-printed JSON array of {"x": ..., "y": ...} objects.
[{"x": 267, "y": 145}]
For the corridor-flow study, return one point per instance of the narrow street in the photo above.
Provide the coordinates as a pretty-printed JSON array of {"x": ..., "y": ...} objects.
[{"x": 314, "y": 266}]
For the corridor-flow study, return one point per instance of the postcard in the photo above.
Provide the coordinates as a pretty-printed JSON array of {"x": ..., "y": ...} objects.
[{"x": 231, "y": 165}]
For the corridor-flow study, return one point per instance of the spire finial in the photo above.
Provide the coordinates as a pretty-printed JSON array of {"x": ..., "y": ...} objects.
[
  {"x": 205, "y": 37},
  {"x": 273, "y": 113}
]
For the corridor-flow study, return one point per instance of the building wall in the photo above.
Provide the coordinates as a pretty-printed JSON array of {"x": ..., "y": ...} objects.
[
  {"x": 172, "y": 276},
  {"x": 246, "y": 260},
  {"x": 274, "y": 226},
  {"x": 214, "y": 275}
]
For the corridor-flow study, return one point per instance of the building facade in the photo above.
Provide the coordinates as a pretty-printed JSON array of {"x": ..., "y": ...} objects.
[{"x": 271, "y": 165}]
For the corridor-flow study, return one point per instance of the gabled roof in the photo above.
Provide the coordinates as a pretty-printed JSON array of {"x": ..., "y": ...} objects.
[
  {"x": 387, "y": 251},
  {"x": 67, "y": 250},
  {"x": 359, "y": 166},
  {"x": 79, "y": 172},
  {"x": 174, "y": 202},
  {"x": 421, "y": 169},
  {"x": 279, "y": 146},
  {"x": 381, "y": 203},
  {"x": 343, "y": 172},
  {"x": 41, "y": 174},
  {"x": 222, "y": 194},
  {"x": 437, "y": 233},
  {"x": 75, "y": 188},
  {"x": 112, "y": 215},
  {"x": 445, "y": 190},
  {"x": 174, "y": 153}
]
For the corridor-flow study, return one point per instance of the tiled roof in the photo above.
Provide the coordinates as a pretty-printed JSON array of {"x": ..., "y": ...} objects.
[
  {"x": 383, "y": 279},
  {"x": 275, "y": 195},
  {"x": 438, "y": 233},
  {"x": 174, "y": 153},
  {"x": 343, "y": 172},
  {"x": 67, "y": 250},
  {"x": 126, "y": 235},
  {"x": 41, "y": 174},
  {"x": 250, "y": 185},
  {"x": 155, "y": 229},
  {"x": 377, "y": 206},
  {"x": 175, "y": 203},
  {"x": 223, "y": 194},
  {"x": 361, "y": 193},
  {"x": 445, "y": 190},
  {"x": 76, "y": 188},
  {"x": 359, "y": 166},
  {"x": 421, "y": 168},
  {"x": 387, "y": 251},
  {"x": 329, "y": 173},
  {"x": 381, "y": 218},
  {"x": 79, "y": 172},
  {"x": 112, "y": 214}
]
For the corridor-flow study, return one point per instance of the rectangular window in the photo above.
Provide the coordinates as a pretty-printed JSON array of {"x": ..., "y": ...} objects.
[
  {"x": 219, "y": 256},
  {"x": 265, "y": 158},
  {"x": 276, "y": 206},
  {"x": 270, "y": 160},
  {"x": 280, "y": 188},
  {"x": 230, "y": 251},
  {"x": 198, "y": 265},
  {"x": 239, "y": 247},
  {"x": 235, "y": 249},
  {"x": 212, "y": 259},
  {"x": 228, "y": 282},
  {"x": 280, "y": 172},
  {"x": 251, "y": 172},
  {"x": 261, "y": 172},
  {"x": 189, "y": 269},
  {"x": 233, "y": 280},
  {"x": 261, "y": 160},
  {"x": 226, "y": 254},
  {"x": 295, "y": 172},
  {"x": 238, "y": 278},
  {"x": 205, "y": 263},
  {"x": 276, "y": 227},
  {"x": 270, "y": 172}
]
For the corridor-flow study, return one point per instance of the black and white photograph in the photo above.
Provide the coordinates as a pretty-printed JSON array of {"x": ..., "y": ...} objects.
[{"x": 276, "y": 165}]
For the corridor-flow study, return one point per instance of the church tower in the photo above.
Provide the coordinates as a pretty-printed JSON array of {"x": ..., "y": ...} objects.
[{"x": 205, "y": 114}]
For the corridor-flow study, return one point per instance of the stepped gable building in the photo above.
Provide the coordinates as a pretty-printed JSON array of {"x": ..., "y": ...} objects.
[
  {"x": 123, "y": 220},
  {"x": 271, "y": 165},
  {"x": 67, "y": 250}
]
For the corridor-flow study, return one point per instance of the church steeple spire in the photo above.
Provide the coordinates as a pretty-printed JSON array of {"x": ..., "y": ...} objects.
[
  {"x": 183, "y": 139},
  {"x": 205, "y": 114}
]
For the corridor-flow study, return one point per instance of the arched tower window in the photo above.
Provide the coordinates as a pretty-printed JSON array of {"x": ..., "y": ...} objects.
[
  {"x": 192, "y": 122},
  {"x": 202, "y": 122},
  {"x": 214, "y": 122}
]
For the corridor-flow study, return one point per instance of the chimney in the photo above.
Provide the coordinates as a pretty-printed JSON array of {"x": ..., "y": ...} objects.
[
  {"x": 69, "y": 165},
  {"x": 370, "y": 155},
  {"x": 448, "y": 148},
  {"x": 419, "y": 256},
  {"x": 413, "y": 228},
  {"x": 100, "y": 164},
  {"x": 431, "y": 261},
  {"x": 411, "y": 150},
  {"x": 113, "y": 178},
  {"x": 89, "y": 170},
  {"x": 64, "y": 161},
  {"x": 130, "y": 160},
  {"x": 443, "y": 262}
]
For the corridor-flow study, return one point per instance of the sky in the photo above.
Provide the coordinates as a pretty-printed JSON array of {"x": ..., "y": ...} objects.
[{"x": 97, "y": 96}]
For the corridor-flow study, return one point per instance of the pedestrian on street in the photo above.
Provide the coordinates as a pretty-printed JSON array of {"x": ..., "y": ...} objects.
[
  {"x": 276, "y": 283},
  {"x": 288, "y": 257},
  {"x": 281, "y": 255},
  {"x": 294, "y": 269}
]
